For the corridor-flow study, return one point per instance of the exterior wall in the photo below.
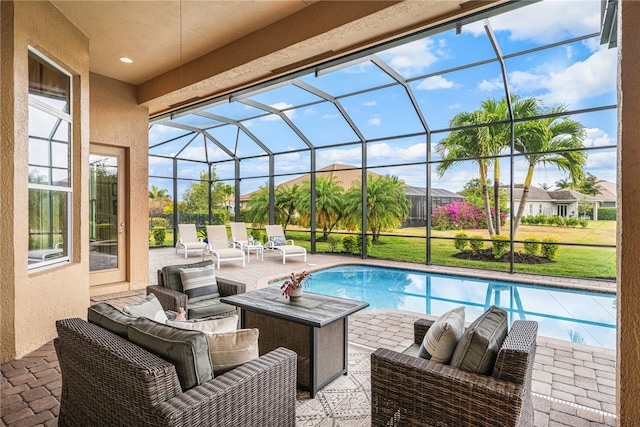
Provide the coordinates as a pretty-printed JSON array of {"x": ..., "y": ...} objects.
[
  {"x": 628, "y": 363},
  {"x": 32, "y": 302},
  {"x": 117, "y": 120}
]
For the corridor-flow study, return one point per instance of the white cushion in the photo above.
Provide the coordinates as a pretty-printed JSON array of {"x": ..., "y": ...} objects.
[
  {"x": 219, "y": 325},
  {"x": 199, "y": 283},
  {"x": 149, "y": 307},
  {"x": 442, "y": 337},
  {"x": 232, "y": 349}
]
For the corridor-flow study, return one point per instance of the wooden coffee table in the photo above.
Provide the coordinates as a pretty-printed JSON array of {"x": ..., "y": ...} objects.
[{"x": 314, "y": 327}]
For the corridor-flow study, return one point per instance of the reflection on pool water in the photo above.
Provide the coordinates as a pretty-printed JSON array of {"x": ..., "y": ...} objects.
[{"x": 571, "y": 315}]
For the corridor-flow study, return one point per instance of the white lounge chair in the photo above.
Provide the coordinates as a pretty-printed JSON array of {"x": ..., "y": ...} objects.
[
  {"x": 189, "y": 240},
  {"x": 276, "y": 241},
  {"x": 219, "y": 245},
  {"x": 239, "y": 234}
]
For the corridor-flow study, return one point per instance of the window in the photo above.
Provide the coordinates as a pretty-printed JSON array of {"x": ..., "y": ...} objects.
[
  {"x": 531, "y": 208},
  {"x": 49, "y": 163}
]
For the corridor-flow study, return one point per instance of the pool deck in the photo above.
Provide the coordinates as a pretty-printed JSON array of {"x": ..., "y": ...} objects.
[{"x": 573, "y": 384}]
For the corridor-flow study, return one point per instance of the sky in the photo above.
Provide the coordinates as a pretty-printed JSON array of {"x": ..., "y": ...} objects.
[{"x": 579, "y": 75}]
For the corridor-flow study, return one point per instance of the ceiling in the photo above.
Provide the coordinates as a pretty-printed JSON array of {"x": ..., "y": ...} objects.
[{"x": 184, "y": 51}]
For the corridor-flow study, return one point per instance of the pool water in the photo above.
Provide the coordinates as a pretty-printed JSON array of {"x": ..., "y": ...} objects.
[{"x": 571, "y": 315}]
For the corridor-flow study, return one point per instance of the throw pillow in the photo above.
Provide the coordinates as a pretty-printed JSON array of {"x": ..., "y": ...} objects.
[
  {"x": 232, "y": 349},
  {"x": 219, "y": 325},
  {"x": 170, "y": 274},
  {"x": 479, "y": 345},
  {"x": 278, "y": 240},
  {"x": 441, "y": 338},
  {"x": 199, "y": 283},
  {"x": 110, "y": 318},
  {"x": 149, "y": 307},
  {"x": 187, "y": 350}
]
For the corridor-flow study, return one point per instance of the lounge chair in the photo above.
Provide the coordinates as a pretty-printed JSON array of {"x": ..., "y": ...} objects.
[
  {"x": 189, "y": 239},
  {"x": 277, "y": 241},
  {"x": 239, "y": 234},
  {"x": 219, "y": 245}
]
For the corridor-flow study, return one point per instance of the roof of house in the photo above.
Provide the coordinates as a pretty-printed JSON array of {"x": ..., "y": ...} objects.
[
  {"x": 347, "y": 176},
  {"x": 608, "y": 191},
  {"x": 540, "y": 195}
]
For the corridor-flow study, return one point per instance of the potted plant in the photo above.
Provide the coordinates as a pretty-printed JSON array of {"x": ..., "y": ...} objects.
[{"x": 292, "y": 287}]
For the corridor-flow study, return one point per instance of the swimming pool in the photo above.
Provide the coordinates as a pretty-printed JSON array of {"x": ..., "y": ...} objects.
[{"x": 570, "y": 315}]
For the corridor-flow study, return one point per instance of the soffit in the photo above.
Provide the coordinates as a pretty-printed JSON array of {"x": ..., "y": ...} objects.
[
  {"x": 150, "y": 32},
  {"x": 185, "y": 51}
]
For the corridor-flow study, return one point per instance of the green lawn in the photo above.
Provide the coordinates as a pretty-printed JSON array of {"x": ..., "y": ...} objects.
[{"x": 409, "y": 245}]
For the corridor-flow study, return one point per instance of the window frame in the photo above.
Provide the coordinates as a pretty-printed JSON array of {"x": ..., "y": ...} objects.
[{"x": 51, "y": 188}]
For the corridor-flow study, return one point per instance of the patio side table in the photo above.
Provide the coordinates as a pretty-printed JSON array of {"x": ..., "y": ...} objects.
[{"x": 314, "y": 327}]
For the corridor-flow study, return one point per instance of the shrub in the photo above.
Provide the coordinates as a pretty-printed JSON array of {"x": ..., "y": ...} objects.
[
  {"x": 532, "y": 245},
  {"x": 549, "y": 248},
  {"x": 258, "y": 235},
  {"x": 556, "y": 220},
  {"x": 159, "y": 235},
  {"x": 456, "y": 216},
  {"x": 461, "y": 241},
  {"x": 583, "y": 223},
  {"x": 500, "y": 245},
  {"x": 476, "y": 242},
  {"x": 349, "y": 244},
  {"x": 333, "y": 243},
  {"x": 606, "y": 214},
  {"x": 571, "y": 222},
  {"x": 353, "y": 244}
]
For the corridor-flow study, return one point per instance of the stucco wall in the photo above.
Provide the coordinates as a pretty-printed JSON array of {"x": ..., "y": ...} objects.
[
  {"x": 32, "y": 302},
  {"x": 117, "y": 120},
  {"x": 628, "y": 372}
]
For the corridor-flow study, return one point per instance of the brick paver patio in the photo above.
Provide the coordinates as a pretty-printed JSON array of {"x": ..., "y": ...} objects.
[{"x": 573, "y": 384}]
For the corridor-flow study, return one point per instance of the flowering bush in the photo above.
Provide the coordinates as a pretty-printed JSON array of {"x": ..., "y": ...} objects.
[
  {"x": 293, "y": 283},
  {"x": 457, "y": 215}
]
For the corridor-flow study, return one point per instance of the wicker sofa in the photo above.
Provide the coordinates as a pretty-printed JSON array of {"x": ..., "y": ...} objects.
[
  {"x": 410, "y": 391},
  {"x": 109, "y": 381},
  {"x": 171, "y": 296}
]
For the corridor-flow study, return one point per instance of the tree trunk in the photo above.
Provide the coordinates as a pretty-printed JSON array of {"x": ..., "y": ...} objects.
[
  {"x": 523, "y": 200},
  {"x": 496, "y": 194},
  {"x": 485, "y": 193}
]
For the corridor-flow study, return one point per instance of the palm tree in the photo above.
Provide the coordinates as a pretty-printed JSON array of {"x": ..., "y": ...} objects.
[
  {"x": 565, "y": 183},
  {"x": 467, "y": 143},
  {"x": 285, "y": 202},
  {"x": 552, "y": 140},
  {"x": 329, "y": 204},
  {"x": 498, "y": 136},
  {"x": 387, "y": 204},
  {"x": 155, "y": 193},
  {"x": 258, "y": 207}
]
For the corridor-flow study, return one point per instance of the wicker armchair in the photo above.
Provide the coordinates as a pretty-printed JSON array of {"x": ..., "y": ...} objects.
[
  {"x": 410, "y": 391},
  {"x": 172, "y": 299},
  {"x": 109, "y": 381}
]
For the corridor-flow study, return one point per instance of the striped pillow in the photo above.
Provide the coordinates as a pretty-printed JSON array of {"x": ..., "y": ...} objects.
[{"x": 199, "y": 283}]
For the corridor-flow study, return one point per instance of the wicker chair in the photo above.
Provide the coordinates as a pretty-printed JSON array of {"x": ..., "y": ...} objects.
[
  {"x": 410, "y": 391},
  {"x": 109, "y": 381},
  {"x": 172, "y": 298}
]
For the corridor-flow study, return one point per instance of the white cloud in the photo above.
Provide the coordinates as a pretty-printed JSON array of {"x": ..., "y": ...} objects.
[
  {"x": 392, "y": 154},
  {"x": 489, "y": 86},
  {"x": 581, "y": 80},
  {"x": 280, "y": 106},
  {"x": 308, "y": 112},
  {"x": 597, "y": 137},
  {"x": 455, "y": 106},
  {"x": 412, "y": 58},
  {"x": 376, "y": 121},
  {"x": 545, "y": 21},
  {"x": 435, "y": 82},
  {"x": 370, "y": 103},
  {"x": 330, "y": 116}
]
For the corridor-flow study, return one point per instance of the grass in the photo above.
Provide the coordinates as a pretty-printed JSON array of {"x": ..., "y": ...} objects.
[{"x": 409, "y": 245}]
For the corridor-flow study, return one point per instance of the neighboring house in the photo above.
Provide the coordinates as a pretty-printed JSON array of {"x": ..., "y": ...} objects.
[
  {"x": 608, "y": 195},
  {"x": 563, "y": 203},
  {"x": 347, "y": 175}
]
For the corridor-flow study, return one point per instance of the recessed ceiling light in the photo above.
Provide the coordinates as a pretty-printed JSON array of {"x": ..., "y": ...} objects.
[{"x": 126, "y": 60}]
